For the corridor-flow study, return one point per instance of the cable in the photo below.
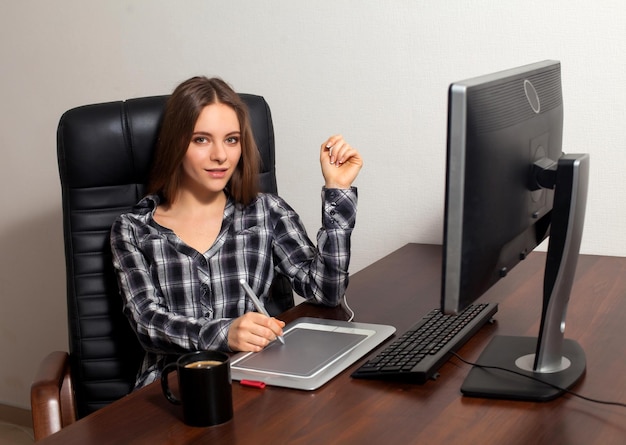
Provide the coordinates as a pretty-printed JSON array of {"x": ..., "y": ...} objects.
[
  {"x": 589, "y": 399},
  {"x": 345, "y": 303}
]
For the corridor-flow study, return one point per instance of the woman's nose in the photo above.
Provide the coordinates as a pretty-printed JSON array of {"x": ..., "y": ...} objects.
[{"x": 218, "y": 153}]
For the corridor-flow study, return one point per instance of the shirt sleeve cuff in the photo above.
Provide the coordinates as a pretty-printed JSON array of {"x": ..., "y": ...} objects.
[{"x": 339, "y": 208}]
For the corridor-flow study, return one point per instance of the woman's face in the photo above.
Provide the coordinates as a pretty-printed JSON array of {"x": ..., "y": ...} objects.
[{"x": 214, "y": 150}]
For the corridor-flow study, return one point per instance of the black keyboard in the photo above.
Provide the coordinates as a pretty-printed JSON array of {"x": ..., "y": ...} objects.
[{"x": 416, "y": 356}]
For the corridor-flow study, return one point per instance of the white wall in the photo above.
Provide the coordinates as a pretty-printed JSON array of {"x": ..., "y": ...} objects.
[{"x": 376, "y": 71}]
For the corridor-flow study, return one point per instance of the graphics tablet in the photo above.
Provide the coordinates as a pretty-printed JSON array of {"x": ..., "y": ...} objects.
[{"x": 315, "y": 351}]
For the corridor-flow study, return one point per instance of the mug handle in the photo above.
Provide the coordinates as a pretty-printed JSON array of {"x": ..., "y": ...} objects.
[{"x": 165, "y": 385}]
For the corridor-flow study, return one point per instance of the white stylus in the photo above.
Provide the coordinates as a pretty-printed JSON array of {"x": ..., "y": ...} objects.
[{"x": 257, "y": 303}]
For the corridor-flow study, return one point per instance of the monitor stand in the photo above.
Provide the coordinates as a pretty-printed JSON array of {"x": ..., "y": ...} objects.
[
  {"x": 510, "y": 353},
  {"x": 551, "y": 358}
]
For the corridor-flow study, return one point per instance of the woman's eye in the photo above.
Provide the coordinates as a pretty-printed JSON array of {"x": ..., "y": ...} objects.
[
  {"x": 200, "y": 140},
  {"x": 232, "y": 140}
]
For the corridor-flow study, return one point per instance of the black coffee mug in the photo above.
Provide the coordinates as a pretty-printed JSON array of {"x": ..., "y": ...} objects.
[{"x": 205, "y": 387}]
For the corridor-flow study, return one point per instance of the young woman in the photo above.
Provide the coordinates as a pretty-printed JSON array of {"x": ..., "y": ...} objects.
[{"x": 203, "y": 226}]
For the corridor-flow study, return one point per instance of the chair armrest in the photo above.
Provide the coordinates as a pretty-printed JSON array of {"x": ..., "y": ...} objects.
[{"x": 52, "y": 395}]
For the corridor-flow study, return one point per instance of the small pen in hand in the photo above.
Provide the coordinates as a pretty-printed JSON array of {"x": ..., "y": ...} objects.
[{"x": 257, "y": 303}]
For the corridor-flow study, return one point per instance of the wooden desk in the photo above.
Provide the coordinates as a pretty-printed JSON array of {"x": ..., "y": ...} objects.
[{"x": 397, "y": 290}]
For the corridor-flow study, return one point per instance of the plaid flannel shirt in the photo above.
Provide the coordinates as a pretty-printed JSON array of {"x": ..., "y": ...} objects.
[{"x": 178, "y": 299}]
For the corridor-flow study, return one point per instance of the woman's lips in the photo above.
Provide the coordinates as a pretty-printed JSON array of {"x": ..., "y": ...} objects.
[{"x": 217, "y": 173}]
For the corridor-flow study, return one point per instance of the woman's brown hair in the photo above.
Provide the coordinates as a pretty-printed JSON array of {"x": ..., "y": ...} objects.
[{"x": 181, "y": 113}]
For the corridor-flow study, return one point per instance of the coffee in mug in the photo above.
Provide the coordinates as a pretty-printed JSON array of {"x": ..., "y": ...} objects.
[
  {"x": 205, "y": 387},
  {"x": 203, "y": 364}
]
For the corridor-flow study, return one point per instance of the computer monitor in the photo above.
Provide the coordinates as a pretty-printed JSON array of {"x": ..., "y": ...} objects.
[{"x": 509, "y": 187}]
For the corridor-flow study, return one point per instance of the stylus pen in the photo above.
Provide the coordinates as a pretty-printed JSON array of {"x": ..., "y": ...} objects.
[{"x": 257, "y": 303}]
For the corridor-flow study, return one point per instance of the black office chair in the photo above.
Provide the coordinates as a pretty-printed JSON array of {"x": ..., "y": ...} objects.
[{"x": 104, "y": 153}]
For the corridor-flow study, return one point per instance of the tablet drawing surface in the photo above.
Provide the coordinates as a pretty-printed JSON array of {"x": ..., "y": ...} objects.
[{"x": 305, "y": 352}]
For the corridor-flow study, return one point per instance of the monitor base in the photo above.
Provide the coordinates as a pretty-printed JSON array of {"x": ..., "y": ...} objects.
[{"x": 503, "y": 351}]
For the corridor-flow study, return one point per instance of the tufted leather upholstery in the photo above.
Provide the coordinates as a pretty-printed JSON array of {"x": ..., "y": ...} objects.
[{"x": 104, "y": 155}]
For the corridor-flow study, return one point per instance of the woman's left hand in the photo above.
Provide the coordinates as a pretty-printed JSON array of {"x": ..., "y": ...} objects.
[{"x": 340, "y": 162}]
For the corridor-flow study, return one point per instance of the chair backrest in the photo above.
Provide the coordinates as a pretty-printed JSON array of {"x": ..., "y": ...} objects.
[{"x": 104, "y": 154}]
